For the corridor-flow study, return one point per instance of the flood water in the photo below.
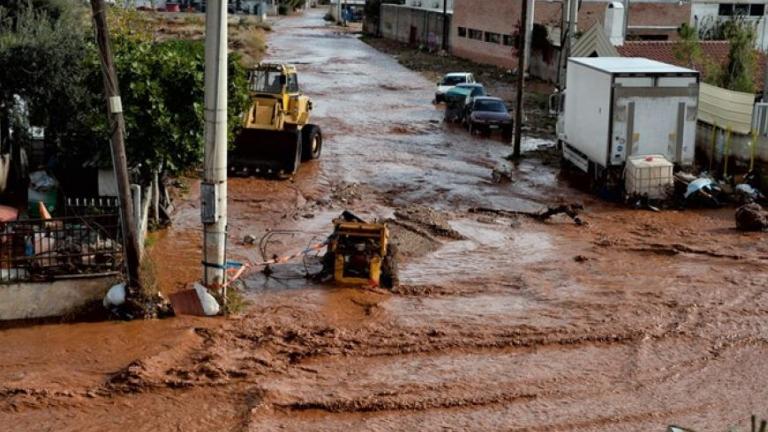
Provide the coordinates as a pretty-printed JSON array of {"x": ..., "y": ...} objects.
[{"x": 634, "y": 321}]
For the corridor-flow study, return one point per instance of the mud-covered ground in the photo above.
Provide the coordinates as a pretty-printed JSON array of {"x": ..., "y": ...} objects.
[{"x": 631, "y": 321}]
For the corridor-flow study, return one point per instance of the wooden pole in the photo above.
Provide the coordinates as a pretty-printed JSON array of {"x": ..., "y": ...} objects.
[
  {"x": 727, "y": 151},
  {"x": 520, "y": 80},
  {"x": 117, "y": 140},
  {"x": 445, "y": 25},
  {"x": 713, "y": 146}
]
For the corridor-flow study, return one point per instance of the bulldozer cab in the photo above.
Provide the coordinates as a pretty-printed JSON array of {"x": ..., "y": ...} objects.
[
  {"x": 277, "y": 101},
  {"x": 272, "y": 79}
]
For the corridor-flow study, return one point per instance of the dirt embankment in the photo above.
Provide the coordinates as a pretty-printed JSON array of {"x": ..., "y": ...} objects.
[{"x": 247, "y": 35}]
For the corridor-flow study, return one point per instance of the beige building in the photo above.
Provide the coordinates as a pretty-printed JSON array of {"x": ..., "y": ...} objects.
[{"x": 486, "y": 31}]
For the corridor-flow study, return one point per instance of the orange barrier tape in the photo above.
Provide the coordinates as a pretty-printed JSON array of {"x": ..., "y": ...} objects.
[{"x": 279, "y": 260}]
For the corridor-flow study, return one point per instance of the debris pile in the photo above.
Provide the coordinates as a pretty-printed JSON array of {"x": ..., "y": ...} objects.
[{"x": 751, "y": 217}]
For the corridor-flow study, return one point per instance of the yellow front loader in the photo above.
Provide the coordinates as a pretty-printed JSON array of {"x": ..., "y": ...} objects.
[{"x": 276, "y": 135}]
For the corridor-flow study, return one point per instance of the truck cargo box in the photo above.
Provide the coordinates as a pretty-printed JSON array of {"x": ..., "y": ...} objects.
[{"x": 617, "y": 107}]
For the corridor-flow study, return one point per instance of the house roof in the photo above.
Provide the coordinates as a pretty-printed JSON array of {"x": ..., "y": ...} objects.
[
  {"x": 713, "y": 52},
  {"x": 594, "y": 41}
]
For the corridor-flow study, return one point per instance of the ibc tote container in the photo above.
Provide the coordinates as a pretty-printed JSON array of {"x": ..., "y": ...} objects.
[{"x": 649, "y": 175}]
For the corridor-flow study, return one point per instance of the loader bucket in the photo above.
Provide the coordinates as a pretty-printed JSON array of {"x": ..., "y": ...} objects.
[{"x": 266, "y": 153}]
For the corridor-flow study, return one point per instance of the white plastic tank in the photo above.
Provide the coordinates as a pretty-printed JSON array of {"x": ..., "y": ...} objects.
[{"x": 649, "y": 175}]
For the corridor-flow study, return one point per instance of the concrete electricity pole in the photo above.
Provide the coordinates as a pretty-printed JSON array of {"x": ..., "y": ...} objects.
[
  {"x": 213, "y": 191},
  {"x": 529, "y": 30},
  {"x": 520, "y": 80},
  {"x": 119, "y": 159}
]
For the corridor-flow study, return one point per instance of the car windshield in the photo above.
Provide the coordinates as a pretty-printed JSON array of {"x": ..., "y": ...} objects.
[
  {"x": 490, "y": 106},
  {"x": 453, "y": 80},
  {"x": 478, "y": 91},
  {"x": 263, "y": 81}
]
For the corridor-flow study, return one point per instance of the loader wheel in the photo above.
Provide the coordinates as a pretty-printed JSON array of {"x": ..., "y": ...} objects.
[
  {"x": 312, "y": 142},
  {"x": 389, "y": 275}
]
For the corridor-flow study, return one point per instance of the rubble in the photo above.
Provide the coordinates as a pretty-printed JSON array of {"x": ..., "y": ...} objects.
[{"x": 751, "y": 217}]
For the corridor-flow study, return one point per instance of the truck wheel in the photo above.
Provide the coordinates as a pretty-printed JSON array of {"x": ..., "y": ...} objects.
[{"x": 312, "y": 142}]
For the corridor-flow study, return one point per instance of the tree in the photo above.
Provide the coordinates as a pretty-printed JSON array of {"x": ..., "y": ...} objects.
[
  {"x": 162, "y": 90},
  {"x": 50, "y": 62},
  {"x": 739, "y": 72},
  {"x": 688, "y": 49},
  {"x": 42, "y": 63}
]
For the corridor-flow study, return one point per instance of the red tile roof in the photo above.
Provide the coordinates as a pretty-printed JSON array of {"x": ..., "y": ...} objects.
[{"x": 713, "y": 52}]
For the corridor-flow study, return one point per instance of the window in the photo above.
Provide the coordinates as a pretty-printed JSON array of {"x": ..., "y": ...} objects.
[
  {"x": 264, "y": 81},
  {"x": 741, "y": 9},
  {"x": 475, "y": 34},
  {"x": 462, "y": 32},
  {"x": 293, "y": 84},
  {"x": 493, "y": 37},
  {"x": 510, "y": 40}
]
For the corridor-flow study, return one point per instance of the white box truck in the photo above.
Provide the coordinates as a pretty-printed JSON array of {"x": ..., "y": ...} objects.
[{"x": 617, "y": 107}]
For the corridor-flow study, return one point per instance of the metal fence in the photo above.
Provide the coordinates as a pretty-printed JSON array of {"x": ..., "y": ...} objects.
[{"x": 58, "y": 248}]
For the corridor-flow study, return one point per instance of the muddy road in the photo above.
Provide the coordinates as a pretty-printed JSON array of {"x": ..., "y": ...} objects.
[{"x": 632, "y": 321}]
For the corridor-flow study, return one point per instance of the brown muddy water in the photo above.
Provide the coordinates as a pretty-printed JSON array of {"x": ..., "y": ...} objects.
[{"x": 633, "y": 321}]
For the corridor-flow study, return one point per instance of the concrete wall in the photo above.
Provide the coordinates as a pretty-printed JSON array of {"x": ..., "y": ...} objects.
[
  {"x": 413, "y": 25},
  {"x": 739, "y": 153},
  {"x": 50, "y": 299}
]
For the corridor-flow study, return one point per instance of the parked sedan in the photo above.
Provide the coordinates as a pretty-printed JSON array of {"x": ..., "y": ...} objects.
[
  {"x": 450, "y": 81},
  {"x": 488, "y": 114},
  {"x": 457, "y": 101}
]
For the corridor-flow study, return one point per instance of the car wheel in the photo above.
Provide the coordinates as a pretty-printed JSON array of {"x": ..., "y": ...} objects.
[{"x": 507, "y": 133}]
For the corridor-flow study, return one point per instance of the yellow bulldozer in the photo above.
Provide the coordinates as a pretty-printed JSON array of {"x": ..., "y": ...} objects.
[{"x": 276, "y": 135}]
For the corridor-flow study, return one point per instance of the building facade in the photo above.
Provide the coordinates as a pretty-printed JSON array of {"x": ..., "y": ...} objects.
[
  {"x": 487, "y": 31},
  {"x": 705, "y": 14}
]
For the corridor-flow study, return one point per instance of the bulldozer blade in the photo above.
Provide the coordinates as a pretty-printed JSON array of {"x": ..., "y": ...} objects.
[{"x": 266, "y": 152}]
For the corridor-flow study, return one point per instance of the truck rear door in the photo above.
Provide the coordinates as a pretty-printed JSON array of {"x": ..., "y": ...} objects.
[{"x": 654, "y": 115}]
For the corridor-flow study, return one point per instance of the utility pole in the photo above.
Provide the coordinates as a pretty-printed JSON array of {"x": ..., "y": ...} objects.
[
  {"x": 445, "y": 25},
  {"x": 117, "y": 141},
  {"x": 520, "y": 80},
  {"x": 213, "y": 190},
  {"x": 562, "y": 58},
  {"x": 626, "y": 19},
  {"x": 529, "y": 30},
  {"x": 573, "y": 13}
]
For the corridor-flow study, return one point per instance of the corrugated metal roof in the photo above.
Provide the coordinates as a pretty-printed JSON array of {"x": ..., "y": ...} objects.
[{"x": 630, "y": 65}]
